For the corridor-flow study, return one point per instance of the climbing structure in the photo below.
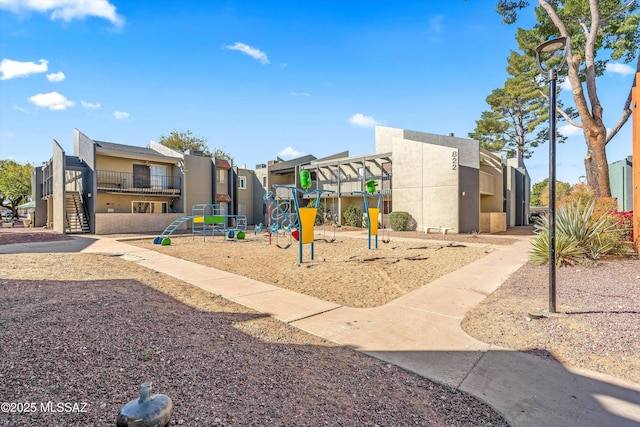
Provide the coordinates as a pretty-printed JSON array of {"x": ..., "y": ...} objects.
[{"x": 296, "y": 221}]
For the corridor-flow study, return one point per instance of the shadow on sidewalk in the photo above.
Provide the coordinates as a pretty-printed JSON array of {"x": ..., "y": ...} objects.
[{"x": 526, "y": 389}]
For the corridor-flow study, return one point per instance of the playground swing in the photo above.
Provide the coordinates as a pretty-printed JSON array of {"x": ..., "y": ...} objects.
[
  {"x": 329, "y": 217},
  {"x": 289, "y": 242},
  {"x": 385, "y": 235}
]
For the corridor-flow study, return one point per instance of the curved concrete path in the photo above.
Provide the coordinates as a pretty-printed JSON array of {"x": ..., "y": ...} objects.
[{"x": 421, "y": 332}]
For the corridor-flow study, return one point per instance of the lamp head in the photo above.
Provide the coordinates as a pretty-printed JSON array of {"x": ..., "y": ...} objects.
[{"x": 550, "y": 47}]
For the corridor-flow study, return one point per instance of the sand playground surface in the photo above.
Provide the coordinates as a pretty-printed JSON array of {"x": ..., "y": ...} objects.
[{"x": 344, "y": 271}]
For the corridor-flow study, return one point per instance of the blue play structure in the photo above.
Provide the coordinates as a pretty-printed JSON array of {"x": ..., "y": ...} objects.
[
  {"x": 207, "y": 219},
  {"x": 295, "y": 221}
]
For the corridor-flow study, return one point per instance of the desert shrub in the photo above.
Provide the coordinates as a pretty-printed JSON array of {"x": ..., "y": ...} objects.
[
  {"x": 583, "y": 195},
  {"x": 619, "y": 224},
  {"x": 567, "y": 249},
  {"x": 624, "y": 222},
  {"x": 580, "y": 193},
  {"x": 581, "y": 236},
  {"x": 353, "y": 216},
  {"x": 399, "y": 220}
]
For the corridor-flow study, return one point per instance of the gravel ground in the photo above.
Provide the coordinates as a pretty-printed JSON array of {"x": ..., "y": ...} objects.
[
  {"x": 105, "y": 314},
  {"x": 89, "y": 329},
  {"x": 598, "y": 322}
]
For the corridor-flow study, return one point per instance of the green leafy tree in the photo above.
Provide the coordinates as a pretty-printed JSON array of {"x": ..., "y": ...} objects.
[
  {"x": 536, "y": 191},
  {"x": 15, "y": 184},
  {"x": 540, "y": 192},
  {"x": 598, "y": 31},
  {"x": 186, "y": 140},
  {"x": 222, "y": 154},
  {"x": 516, "y": 112}
]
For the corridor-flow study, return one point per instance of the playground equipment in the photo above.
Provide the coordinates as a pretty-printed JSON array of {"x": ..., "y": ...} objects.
[
  {"x": 372, "y": 213},
  {"x": 213, "y": 218},
  {"x": 207, "y": 218},
  {"x": 299, "y": 225},
  {"x": 329, "y": 217},
  {"x": 280, "y": 216},
  {"x": 164, "y": 237}
]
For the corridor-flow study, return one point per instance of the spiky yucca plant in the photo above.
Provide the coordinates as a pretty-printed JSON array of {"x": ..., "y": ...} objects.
[
  {"x": 580, "y": 236},
  {"x": 567, "y": 250}
]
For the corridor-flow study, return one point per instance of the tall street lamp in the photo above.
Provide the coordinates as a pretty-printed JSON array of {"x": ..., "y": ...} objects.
[{"x": 548, "y": 49}]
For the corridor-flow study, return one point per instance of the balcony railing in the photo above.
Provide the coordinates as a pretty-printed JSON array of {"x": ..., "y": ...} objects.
[{"x": 123, "y": 182}]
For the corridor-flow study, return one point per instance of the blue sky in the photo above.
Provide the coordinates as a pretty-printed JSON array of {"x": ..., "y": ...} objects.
[{"x": 261, "y": 79}]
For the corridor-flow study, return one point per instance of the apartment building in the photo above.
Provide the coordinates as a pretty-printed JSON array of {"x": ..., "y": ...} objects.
[
  {"x": 107, "y": 188},
  {"x": 441, "y": 181}
]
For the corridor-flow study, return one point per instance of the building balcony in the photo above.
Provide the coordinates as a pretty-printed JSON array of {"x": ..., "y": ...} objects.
[{"x": 147, "y": 184}]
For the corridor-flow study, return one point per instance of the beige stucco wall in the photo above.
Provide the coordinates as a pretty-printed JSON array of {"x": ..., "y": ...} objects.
[
  {"x": 493, "y": 222},
  {"x": 425, "y": 184},
  {"x": 198, "y": 184},
  {"x": 384, "y": 138},
  {"x": 119, "y": 164},
  {"x": 491, "y": 164},
  {"x": 116, "y": 223},
  {"x": 58, "y": 204}
]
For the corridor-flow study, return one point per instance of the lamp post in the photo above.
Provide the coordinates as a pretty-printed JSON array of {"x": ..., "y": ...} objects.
[{"x": 549, "y": 48}]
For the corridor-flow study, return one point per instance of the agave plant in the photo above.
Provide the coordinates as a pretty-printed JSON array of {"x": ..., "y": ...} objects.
[
  {"x": 579, "y": 235},
  {"x": 567, "y": 250}
]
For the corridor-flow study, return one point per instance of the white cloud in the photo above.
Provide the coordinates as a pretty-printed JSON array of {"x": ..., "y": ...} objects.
[
  {"x": 251, "y": 51},
  {"x": 56, "y": 77},
  {"x": 363, "y": 121},
  {"x": 86, "y": 104},
  {"x": 622, "y": 69},
  {"x": 566, "y": 85},
  {"x": 22, "y": 110},
  {"x": 299, "y": 94},
  {"x": 435, "y": 23},
  {"x": 570, "y": 130},
  {"x": 52, "y": 101},
  {"x": 66, "y": 10},
  {"x": 289, "y": 153},
  {"x": 120, "y": 115},
  {"x": 10, "y": 68}
]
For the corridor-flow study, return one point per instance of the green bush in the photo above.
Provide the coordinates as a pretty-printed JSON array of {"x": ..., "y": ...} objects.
[
  {"x": 580, "y": 235},
  {"x": 353, "y": 216},
  {"x": 399, "y": 220}
]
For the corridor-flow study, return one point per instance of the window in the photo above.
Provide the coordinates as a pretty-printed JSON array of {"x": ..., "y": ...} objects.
[
  {"x": 141, "y": 176},
  {"x": 158, "y": 176},
  {"x": 364, "y": 173},
  {"x": 149, "y": 207},
  {"x": 222, "y": 176},
  {"x": 264, "y": 181},
  {"x": 242, "y": 182}
]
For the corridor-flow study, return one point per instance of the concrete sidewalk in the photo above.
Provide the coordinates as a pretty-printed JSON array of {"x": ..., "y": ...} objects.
[{"x": 421, "y": 332}]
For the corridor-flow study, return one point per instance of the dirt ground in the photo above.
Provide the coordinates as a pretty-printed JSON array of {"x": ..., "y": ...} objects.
[{"x": 345, "y": 271}]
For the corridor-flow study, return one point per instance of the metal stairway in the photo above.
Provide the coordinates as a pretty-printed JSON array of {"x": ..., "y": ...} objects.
[{"x": 75, "y": 214}]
